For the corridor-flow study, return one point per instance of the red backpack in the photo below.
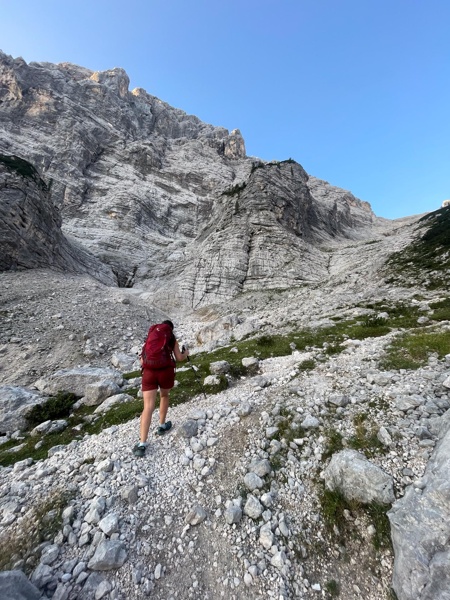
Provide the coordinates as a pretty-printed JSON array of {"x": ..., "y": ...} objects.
[{"x": 158, "y": 347}]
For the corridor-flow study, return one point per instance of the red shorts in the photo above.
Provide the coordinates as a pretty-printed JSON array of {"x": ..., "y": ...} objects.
[{"x": 152, "y": 379}]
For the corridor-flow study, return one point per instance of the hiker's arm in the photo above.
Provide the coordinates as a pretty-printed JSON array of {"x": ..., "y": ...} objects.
[{"x": 178, "y": 354}]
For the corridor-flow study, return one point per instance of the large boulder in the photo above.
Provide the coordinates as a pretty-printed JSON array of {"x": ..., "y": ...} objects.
[
  {"x": 113, "y": 401},
  {"x": 420, "y": 530},
  {"x": 14, "y": 585},
  {"x": 15, "y": 403},
  {"x": 109, "y": 554},
  {"x": 220, "y": 367},
  {"x": 95, "y": 393},
  {"x": 358, "y": 479},
  {"x": 76, "y": 380},
  {"x": 125, "y": 362}
]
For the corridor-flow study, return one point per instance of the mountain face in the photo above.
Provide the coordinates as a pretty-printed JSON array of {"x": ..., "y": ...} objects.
[
  {"x": 31, "y": 228},
  {"x": 165, "y": 201},
  {"x": 111, "y": 200}
]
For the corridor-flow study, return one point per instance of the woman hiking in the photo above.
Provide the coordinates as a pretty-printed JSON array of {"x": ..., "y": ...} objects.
[{"x": 158, "y": 360}]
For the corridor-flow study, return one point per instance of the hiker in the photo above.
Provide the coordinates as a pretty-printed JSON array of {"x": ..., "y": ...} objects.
[{"x": 158, "y": 360}]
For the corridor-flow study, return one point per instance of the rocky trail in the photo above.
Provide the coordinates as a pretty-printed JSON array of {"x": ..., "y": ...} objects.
[{"x": 228, "y": 504}]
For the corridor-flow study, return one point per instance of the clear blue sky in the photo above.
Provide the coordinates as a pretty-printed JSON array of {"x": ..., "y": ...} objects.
[{"x": 356, "y": 91}]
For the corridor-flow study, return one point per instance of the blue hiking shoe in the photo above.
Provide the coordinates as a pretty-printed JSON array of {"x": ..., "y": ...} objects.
[
  {"x": 162, "y": 429},
  {"x": 139, "y": 450}
]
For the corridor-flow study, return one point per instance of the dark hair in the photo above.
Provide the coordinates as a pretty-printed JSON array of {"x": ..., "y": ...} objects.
[{"x": 167, "y": 322}]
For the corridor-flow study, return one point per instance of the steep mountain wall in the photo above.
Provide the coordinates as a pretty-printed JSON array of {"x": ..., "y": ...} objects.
[
  {"x": 30, "y": 230},
  {"x": 167, "y": 201}
]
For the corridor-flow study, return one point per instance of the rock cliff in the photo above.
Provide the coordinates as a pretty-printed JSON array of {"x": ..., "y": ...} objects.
[
  {"x": 30, "y": 231},
  {"x": 166, "y": 201}
]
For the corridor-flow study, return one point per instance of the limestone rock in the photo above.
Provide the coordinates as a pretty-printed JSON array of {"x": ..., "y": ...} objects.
[
  {"x": 30, "y": 227},
  {"x": 420, "y": 527},
  {"x": 16, "y": 403},
  {"x": 113, "y": 401},
  {"x": 253, "y": 482},
  {"x": 211, "y": 380},
  {"x": 253, "y": 507},
  {"x": 95, "y": 393},
  {"x": 233, "y": 514},
  {"x": 109, "y": 554},
  {"x": 261, "y": 467},
  {"x": 76, "y": 380},
  {"x": 231, "y": 223},
  {"x": 219, "y": 367},
  {"x": 188, "y": 429},
  {"x": 358, "y": 479},
  {"x": 14, "y": 585},
  {"x": 196, "y": 516}
]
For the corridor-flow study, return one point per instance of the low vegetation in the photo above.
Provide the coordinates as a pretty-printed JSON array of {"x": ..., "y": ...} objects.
[
  {"x": 56, "y": 407},
  {"x": 365, "y": 437},
  {"x": 412, "y": 349},
  {"x": 340, "y": 514},
  {"x": 38, "y": 525},
  {"x": 425, "y": 262}
]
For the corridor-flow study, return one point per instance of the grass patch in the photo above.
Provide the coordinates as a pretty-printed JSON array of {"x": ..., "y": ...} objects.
[
  {"x": 382, "y": 536},
  {"x": 307, "y": 365},
  {"x": 332, "y": 588},
  {"x": 334, "y": 507},
  {"x": 374, "y": 321},
  {"x": 441, "y": 310},
  {"x": 132, "y": 375},
  {"x": 40, "y": 524},
  {"x": 265, "y": 341},
  {"x": 411, "y": 350},
  {"x": 401, "y": 315},
  {"x": 365, "y": 437},
  {"x": 334, "y": 442}
]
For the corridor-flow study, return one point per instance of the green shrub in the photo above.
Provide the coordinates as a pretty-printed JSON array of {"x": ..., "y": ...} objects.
[
  {"x": 265, "y": 340},
  {"x": 374, "y": 321},
  {"x": 56, "y": 407},
  {"x": 307, "y": 365},
  {"x": 332, "y": 587}
]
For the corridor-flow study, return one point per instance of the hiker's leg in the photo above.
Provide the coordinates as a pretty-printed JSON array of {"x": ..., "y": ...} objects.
[
  {"x": 146, "y": 416},
  {"x": 163, "y": 405}
]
